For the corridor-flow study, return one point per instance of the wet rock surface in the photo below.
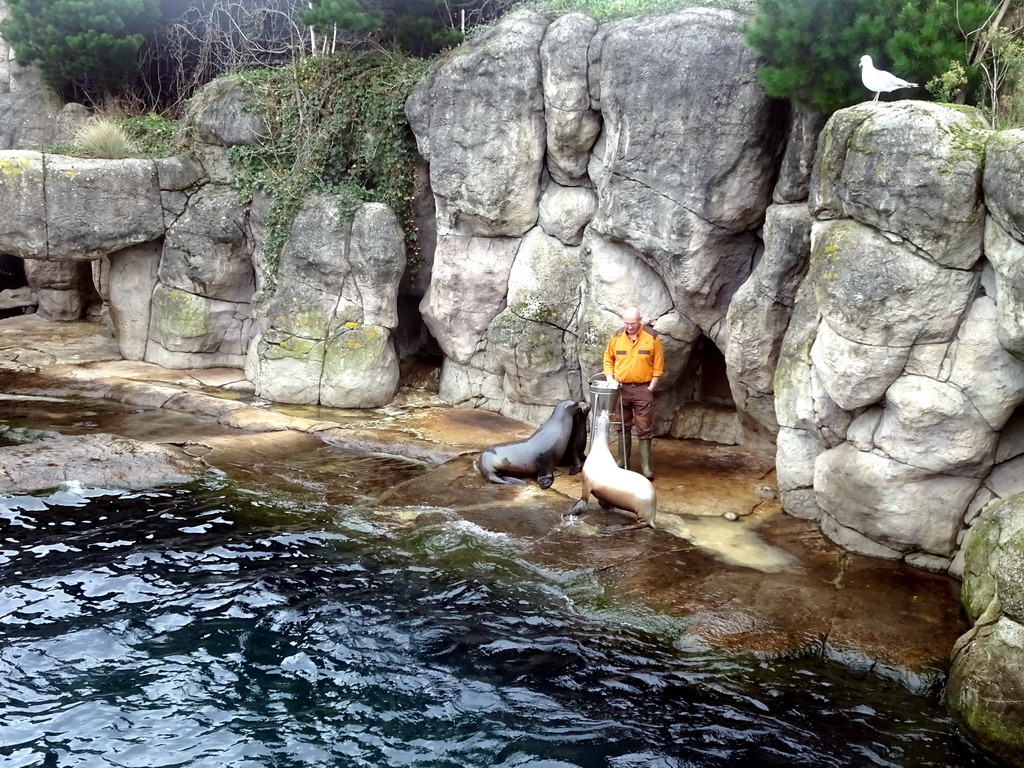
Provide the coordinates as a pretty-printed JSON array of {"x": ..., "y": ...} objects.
[
  {"x": 100, "y": 460},
  {"x": 765, "y": 583}
]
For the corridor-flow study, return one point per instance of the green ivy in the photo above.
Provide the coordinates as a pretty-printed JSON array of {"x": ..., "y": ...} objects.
[
  {"x": 152, "y": 137},
  {"x": 338, "y": 126},
  {"x": 155, "y": 136}
]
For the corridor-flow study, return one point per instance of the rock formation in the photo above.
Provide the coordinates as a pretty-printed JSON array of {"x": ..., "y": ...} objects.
[
  {"x": 985, "y": 686},
  {"x": 850, "y": 302},
  {"x": 892, "y": 387},
  {"x": 99, "y": 460},
  {"x": 619, "y": 170},
  {"x": 848, "y": 295}
]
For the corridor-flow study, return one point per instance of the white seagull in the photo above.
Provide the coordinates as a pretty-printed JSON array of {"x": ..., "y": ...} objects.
[{"x": 879, "y": 80}]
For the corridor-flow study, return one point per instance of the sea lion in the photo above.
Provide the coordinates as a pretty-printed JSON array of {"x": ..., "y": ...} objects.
[
  {"x": 576, "y": 452},
  {"x": 612, "y": 485},
  {"x": 511, "y": 463}
]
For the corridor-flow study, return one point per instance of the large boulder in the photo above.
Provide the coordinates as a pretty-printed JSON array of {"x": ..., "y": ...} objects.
[
  {"x": 201, "y": 315},
  {"x": 220, "y": 116},
  {"x": 533, "y": 339},
  {"x": 72, "y": 208},
  {"x": 23, "y": 214},
  {"x": 986, "y": 681},
  {"x": 99, "y": 460},
  {"x": 479, "y": 121},
  {"x": 876, "y": 292},
  {"x": 759, "y": 314},
  {"x": 891, "y": 382},
  {"x": 876, "y": 159},
  {"x": 191, "y": 331},
  {"x": 572, "y": 124},
  {"x": 95, "y": 207},
  {"x": 63, "y": 288},
  {"x": 28, "y": 118},
  {"x": 205, "y": 249},
  {"x": 1004, "y": 233},
  {"x": 468, "y": 286},
  {"x": 131, "y": 279},
  {"x": 328, "y": 339},
  {"x": 683, "y": 171}
]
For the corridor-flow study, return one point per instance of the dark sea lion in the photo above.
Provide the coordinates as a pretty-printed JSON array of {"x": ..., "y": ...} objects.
[
  {"x": 512, "y": 463},
  {"x": 612, "y": 485},
  {"x": 576, "y": 453}
]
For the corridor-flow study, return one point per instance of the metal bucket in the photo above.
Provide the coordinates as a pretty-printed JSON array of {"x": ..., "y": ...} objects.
[{"x": 604, "y": 396}]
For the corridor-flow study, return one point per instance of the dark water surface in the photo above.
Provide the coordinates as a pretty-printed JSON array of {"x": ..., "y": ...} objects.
[{"x": 206, "y": 626}]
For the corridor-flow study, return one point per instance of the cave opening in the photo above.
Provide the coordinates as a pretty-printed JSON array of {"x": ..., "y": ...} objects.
[
  {"x": 706, "y": 409},
  {"x": 420, "y": 356},
  {"x": 706, "y": 377},
  {"x": 13, "y": 300}
]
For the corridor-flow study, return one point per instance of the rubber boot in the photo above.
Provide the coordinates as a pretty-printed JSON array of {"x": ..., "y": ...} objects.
[
  {"x": 625, "y": 447},
  {"x": 645, "y": 459}
]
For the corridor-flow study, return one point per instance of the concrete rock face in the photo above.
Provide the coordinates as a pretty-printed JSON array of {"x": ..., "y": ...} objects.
[
  {"x": 617, "y": 174},
  {"x": 985, "y": 684},
  {"x": 479, "y": 121},
  {"x": 174, "y": 258},
  {"x": 328, "y": 338},
  {"x": 898, "y": 382}
]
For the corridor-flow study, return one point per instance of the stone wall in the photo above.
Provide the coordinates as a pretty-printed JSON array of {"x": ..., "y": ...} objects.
[
  {"x": 578, "y": 169},
  {"x": 165, "y": 253},
  {"x": 846, "y": 294},
  {"x": 901, "y": 376}
]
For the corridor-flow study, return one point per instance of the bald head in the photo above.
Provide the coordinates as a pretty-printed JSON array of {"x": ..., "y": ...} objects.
[{"x": 631, "y": 315}]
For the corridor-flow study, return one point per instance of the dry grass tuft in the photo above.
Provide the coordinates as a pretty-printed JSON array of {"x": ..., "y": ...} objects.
[{"x": 104, "y": 139}]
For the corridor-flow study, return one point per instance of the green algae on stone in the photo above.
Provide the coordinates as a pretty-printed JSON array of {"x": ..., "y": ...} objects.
[
  {"x": 281, "y": 346},
  {"x": 536, "y": 345},
  {"x": 1000, "y": 526},
  {"x": 357, "y": 348},
  {"x": 179, "y": 314}
]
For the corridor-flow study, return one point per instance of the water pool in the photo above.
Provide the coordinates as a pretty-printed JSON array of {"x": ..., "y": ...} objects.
[{"x": 208, "y": 626}]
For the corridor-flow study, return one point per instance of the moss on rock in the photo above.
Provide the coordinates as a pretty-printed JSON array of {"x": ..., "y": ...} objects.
[{"x": 179, "y": 314}]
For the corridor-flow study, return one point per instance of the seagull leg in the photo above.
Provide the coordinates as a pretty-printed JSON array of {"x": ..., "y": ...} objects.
[{"x": 876, "y": 97}]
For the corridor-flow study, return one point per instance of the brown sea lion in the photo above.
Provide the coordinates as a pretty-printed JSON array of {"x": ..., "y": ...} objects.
[{"x": 512, "y": 463}]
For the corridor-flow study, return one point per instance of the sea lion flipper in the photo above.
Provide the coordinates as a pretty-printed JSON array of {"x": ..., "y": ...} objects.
[
  {"x": 576, "y": 508},
  {"x": 507, "y": 480}
]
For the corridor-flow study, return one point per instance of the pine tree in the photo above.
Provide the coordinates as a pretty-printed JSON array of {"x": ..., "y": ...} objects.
[
  {"x": 416, "y": 26},
  {"x": 345, "y": 15},
  {"x": 812, "y": 47},
  {"x": 88, "y": 44}
]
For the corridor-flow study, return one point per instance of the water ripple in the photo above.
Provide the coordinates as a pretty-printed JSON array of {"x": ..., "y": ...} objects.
[{"x": 198, "y": 627}]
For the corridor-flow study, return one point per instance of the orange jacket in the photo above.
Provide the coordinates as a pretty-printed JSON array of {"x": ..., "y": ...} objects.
[{"x": 634, "y": 362}]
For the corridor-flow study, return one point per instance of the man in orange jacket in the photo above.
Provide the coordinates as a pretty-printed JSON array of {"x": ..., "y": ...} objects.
[{"x": 634, "y": 358}]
